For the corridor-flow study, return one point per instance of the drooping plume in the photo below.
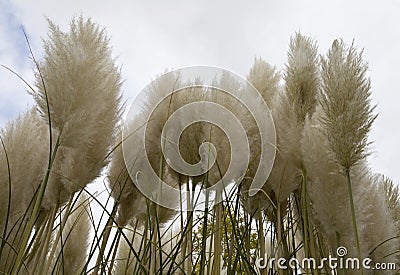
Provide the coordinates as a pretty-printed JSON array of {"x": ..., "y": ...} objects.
[
  {"x": 131, "y": 201},
  {"x": 265, "y": 78}
]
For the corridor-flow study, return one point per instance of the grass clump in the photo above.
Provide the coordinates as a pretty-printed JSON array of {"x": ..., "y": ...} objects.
[{"x": 321, "y": 193}]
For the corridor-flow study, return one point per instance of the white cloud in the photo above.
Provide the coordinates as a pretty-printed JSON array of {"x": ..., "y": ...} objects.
[
  {"x": 149, "y": 36},
  {"x": 13, "y": 54}
]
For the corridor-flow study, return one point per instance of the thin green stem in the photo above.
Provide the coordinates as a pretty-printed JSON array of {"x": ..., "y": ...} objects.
[
  {"x": 261, "y": 240},
  {"x": 4, "y": 239},
  {"x": 217, "y": 235},
  {"x": 279, "y": 234},
  {"x": 47, "y": 237},
  {"x": 353, "y": 214}
]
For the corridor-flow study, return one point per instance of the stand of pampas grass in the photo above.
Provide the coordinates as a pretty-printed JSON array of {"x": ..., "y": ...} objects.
[{"x": 321, "y": 194}]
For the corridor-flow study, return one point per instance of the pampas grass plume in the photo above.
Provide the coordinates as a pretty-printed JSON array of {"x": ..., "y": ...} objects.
[
  {"x": 82, "y": 85},
  {"x": 348, "y": 114}
]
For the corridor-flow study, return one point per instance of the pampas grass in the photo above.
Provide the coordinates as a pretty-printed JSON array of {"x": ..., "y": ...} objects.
[
  {"x": 321, "y": 193},
  {"x": 26, "y": 161},
  {"x": 131, "y": 202},
  {"x": 83, "y": 96},
  {"x": 296, "y": 102},
  {"x": 347, "y": 113},
  {"x": 78, "y": 95}
]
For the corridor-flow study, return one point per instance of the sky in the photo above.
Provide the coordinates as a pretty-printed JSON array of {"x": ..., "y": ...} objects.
[{"x": 150, "y": 36}]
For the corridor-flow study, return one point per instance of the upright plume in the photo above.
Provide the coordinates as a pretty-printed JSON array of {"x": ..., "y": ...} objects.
[
  {"x": 79, "y": 91},
  {"x": 334, "y": 148}
]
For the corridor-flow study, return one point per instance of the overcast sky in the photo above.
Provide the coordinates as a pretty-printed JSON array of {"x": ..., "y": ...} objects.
[{"x": 150, "y": 36}]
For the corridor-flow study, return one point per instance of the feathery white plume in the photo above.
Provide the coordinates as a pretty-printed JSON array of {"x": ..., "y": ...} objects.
[
  {"x": 27, "y": 157},
  {"x": 292, "y": 106},
  {"x": 82, "y": 85},
  {"x": 347, "y": 112},
  {"x": 265, "y": 79},
  {"x": 329, "y": 196}
]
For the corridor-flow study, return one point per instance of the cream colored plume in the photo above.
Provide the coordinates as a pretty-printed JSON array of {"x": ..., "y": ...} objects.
[
  {"x": 27, "y": 159},
  {"x": 82, "y": 84},
  {"x": 347, "y": 112},
  {"x": 335, "y": 140},
  {"x": 296, "y": 102},
  {"x": 265, "y": 78},
  {"x": 330, "y": 202}
]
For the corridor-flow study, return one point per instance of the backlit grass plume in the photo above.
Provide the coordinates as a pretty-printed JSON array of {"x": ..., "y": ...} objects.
[
  {"x": 392, "y": 198},
  {"x": 82, "y": 84},
  {"x": 347, "y": 112},
  {"x": 265, "y": 78},
  {"x": 320, "y": 194},
  {"x": 22, "y": 139},
  {"x": 23, "y": 162},
  {"x": 296, "y": 102},
  {"x": 332, "y": 213},
  {"x": 344, "y": 195},
  {"x": 302, "y": 77},
  {"x": 78, "y": 95},
  {"x": 132, "y": 205}
]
